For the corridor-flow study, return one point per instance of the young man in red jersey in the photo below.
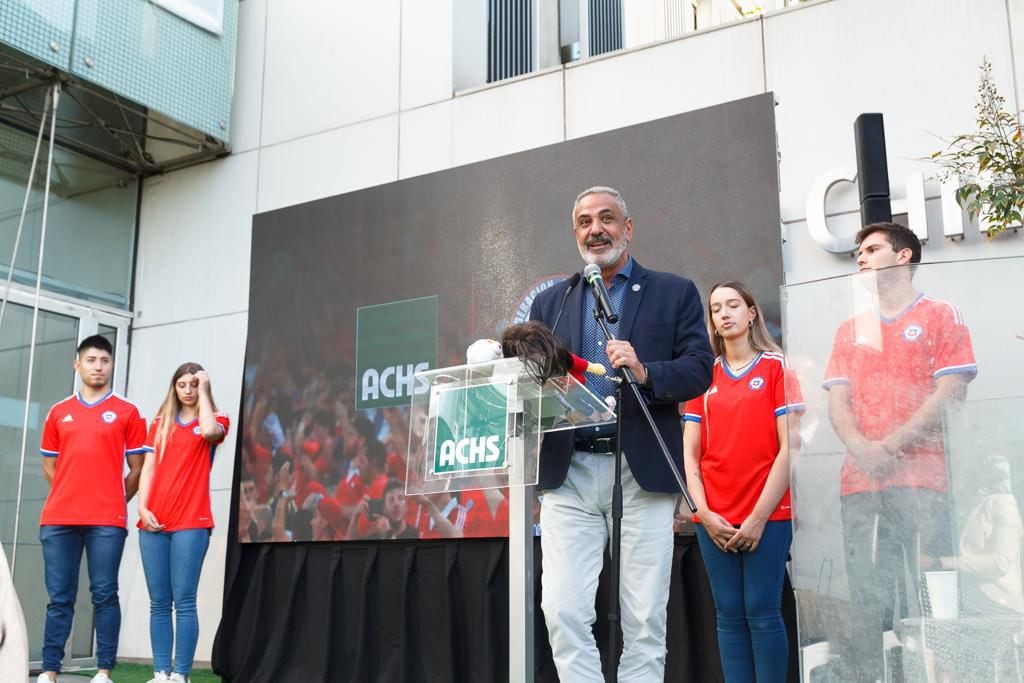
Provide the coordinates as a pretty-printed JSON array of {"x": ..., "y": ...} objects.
[
  {"x": 891, "y": 374},
  {"x": 86, "y": 440}
]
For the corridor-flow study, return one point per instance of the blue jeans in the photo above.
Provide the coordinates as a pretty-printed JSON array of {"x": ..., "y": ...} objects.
[
  {"x": 62, "y": 557},
  {"x": 172, "y": 561},
  {"x": 747, "y": 588}
]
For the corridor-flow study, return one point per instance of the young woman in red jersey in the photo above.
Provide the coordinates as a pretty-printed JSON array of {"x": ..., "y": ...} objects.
[
  {"x": 175, "y": 520},
  {"x": 735, "y": 450}
]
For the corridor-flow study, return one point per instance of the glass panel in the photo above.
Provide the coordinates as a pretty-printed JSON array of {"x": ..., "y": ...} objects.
[
  {"x": 53, "y": 380},
  {"x": 482, "y": 425},
  {"x": 91, "y": 232},
  {"x": 111, "y": 335},
  {"x": 906, "y": 492}
]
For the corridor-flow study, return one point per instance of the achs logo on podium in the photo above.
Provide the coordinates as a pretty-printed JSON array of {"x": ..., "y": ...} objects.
[{"x": 470, "y": 428}]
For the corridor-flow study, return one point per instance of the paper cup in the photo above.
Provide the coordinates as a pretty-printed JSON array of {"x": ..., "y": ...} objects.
[{"x": 943, "y": 594}]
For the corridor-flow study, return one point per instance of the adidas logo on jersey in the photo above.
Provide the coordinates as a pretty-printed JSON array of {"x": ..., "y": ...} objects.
[{"x": 68, "y": 418}]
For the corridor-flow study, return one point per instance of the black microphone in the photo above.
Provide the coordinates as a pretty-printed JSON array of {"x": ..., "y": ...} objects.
[
  {"x": 592, "y": 274},
  {"x": 573, "y": 281}
]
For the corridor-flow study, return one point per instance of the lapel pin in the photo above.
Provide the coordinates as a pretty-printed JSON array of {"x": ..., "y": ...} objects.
[{"x": 636, "y": 288}]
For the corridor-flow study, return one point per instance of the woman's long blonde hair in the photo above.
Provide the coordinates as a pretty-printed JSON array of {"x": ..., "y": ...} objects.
[
  {"x": 760, "y": 339},
  {"x": 169, "y": 409}
]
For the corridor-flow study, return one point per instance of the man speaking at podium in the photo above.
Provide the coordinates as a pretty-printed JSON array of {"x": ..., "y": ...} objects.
[{"x": 661, "y": 337}]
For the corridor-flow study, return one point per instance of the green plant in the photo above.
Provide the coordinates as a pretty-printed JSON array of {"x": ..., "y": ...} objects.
[{"x": 989, "y": 162}]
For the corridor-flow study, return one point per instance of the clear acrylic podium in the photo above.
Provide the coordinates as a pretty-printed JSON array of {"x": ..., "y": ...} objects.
[{"x": 479, "y": 426}]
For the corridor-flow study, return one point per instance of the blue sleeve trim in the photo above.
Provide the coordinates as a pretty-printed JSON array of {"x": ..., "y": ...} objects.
[
  {"x": 791, "y": 408},
  {"x": 971, "y": 369},
  {"x": 690, "y": 417},
  {"x": 829, "y": 383},
  {"x": 49, "y": 454},
  {"x": 135, "y": 451}
]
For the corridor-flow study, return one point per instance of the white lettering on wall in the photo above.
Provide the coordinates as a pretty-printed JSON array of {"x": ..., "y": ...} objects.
[{"x": 913, "y": 205}]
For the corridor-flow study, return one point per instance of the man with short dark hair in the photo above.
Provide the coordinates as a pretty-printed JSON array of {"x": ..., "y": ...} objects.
[
  {"x": 396, "y": 511},
  {"x": 661, "y": 337},
  {"x": 86, "y": 440},
  {"x": 891, "y": 374}
]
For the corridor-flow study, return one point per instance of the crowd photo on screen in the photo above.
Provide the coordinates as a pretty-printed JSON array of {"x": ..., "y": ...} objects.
[{"x": 316, "y": 469}]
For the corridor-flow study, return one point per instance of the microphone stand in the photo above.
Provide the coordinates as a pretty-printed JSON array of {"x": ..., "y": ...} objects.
[{"x": 615, "y": 579}]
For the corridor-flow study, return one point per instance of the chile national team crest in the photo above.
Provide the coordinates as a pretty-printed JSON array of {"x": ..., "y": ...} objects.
[
  {"x": 109, "y": 416},
  {"x": 912, "y": 332},
  {"x": 196, "y": 430},
  {"x": 756, "y": 383}
]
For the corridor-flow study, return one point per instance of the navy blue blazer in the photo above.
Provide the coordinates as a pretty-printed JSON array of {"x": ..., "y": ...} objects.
[{"x": 664, "y": 321}]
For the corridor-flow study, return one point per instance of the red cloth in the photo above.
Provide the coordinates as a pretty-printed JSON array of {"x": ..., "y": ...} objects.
[
  {"x": 331, "y": 510},
  {"x": 481, "y": 523},
  {"x": 310, "y": 486},
  {"x": 395, "y": 466},
  {"x": 738, "y": 416},
  {"x": 179, "y": 493},
  {"x": 891, "y": 367},
  {"x": 457, "y": 514},
  {"x": 90, "y": 442},
  {"x": 350, "y": 490},
  {"x": 260, "y": 453},
  {"x": 579, "y": 366}
]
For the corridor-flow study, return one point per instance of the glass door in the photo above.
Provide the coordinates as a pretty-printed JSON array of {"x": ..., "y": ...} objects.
[{"x": 23, "y": 489}]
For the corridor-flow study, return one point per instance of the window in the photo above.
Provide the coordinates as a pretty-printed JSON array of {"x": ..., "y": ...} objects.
[
  {"x": 90, "y": 232},
  {"x": 207, "y": 14}
]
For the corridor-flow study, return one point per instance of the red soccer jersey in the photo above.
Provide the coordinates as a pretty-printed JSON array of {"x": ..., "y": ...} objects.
[
  {"x": 90, "y": 442},
  {"x": 179, "y": 493},
  {"x": 891, "y": 366},
  {"x": 480, "y": 522},
  {"x": 739, "y": 434},
  {"x": 351, "y": 489},
  {"x": 456, "y": 514},
  {"x": 374, "y": 490}
]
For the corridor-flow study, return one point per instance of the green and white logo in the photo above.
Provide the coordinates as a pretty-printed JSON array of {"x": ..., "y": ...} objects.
[
  {"x": 471, "y": 429},
  {"x": 393, "y": 342}
]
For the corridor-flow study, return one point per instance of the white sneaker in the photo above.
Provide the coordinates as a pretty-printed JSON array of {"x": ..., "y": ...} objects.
[
  {"x": 101, "y": 678},
  {"x": 158, "y": 677},
  {"x": 178, "y": 678},
  {"x": 43, "y": 678}
]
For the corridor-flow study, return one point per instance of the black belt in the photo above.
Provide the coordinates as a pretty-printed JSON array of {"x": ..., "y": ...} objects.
[{"x": 598, "y": 446}]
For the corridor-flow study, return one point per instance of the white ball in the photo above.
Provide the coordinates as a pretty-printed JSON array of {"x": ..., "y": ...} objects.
[{"x": 483, "y": 351}]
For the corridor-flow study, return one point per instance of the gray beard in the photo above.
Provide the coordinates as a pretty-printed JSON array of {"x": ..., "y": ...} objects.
[{"x": 608, "y": 258}]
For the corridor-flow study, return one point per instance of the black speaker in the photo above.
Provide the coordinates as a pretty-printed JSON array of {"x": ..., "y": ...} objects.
[{"x": 872, "y": 169}]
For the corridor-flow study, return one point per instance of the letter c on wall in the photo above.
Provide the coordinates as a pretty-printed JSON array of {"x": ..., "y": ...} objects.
[{"x": 817, "y": 196}]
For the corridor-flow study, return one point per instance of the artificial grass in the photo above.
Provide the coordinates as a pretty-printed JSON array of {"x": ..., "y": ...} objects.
[{"x": 141, "y": 673}]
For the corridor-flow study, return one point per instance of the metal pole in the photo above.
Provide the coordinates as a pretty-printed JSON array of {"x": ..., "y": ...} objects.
[
  {"x": 520, "y": 584},
  {"x": 55, "y": 98}
]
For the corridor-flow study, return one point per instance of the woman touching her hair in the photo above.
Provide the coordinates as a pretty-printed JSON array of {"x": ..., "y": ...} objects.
[
  {"x": 175, "y": 520},
  {"x": 736, "y": 439}
]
